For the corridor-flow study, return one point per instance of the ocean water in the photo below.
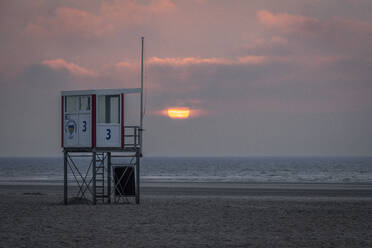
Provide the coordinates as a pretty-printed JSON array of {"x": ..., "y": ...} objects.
[{"x": 244, "y": 170}]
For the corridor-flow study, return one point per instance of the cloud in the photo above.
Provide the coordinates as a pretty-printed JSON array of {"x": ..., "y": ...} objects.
[
  {"x": 335, "y": 29},
  {"x": 187, "y": 61},
  {"x": 285, "y": 21},
  {"x": 74, "y": 69},
  {"x": 108, "y": 18},
  {"x": 329, "y": 42},
  {"x": 124, "y": 64}
]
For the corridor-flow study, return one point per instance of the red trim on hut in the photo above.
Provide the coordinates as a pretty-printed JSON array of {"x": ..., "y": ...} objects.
[
  {"x": 94, "y": 132},
  {"x": 62, "y": 120},
  {"x": 122, "y": 120}
]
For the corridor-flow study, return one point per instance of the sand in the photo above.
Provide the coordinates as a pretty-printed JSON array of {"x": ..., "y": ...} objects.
[{"x": 192, "y": 215}]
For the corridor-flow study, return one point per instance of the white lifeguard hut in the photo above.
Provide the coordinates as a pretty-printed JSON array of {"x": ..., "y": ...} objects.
[
  {"x": 105, "y": 125},
  {"x": 100, "y": 118}
]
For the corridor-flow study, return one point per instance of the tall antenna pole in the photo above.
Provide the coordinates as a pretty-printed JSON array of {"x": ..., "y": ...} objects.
[{"x": 141, "y": 120}]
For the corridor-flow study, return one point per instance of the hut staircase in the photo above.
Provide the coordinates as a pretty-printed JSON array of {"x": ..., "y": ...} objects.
[{"x": 100, "y": 177}]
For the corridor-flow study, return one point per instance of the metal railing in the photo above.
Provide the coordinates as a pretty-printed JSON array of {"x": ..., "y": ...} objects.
[{"x": 132, "y": 136}]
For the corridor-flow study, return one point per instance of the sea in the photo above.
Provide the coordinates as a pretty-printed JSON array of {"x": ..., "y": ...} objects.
[{"x": 202, "y": 169}]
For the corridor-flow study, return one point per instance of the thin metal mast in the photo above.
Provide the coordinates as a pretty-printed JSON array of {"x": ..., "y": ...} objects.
[
  {"x": 139, "y": 153},
  {"x": 141, "y": 120}
]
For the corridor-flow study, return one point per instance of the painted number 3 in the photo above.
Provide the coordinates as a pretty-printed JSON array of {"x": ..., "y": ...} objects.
[
  {"x": 108, "y": 134},
  {"x": 84, "y": 126}
]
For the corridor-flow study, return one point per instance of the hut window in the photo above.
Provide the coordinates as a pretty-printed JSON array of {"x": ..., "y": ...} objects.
[
  {"x": 84, "y": 103},
  {"x": 70, "y": 104},
  {"x": 108, "y": 109}
]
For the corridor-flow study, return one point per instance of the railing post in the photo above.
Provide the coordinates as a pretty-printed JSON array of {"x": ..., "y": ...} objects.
[{"x": 135, "y": 136}]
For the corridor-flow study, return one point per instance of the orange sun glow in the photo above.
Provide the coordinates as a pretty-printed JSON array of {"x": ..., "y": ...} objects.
[{"x": 178, "y": 113}]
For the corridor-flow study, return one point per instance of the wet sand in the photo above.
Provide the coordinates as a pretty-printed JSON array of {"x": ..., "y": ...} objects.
[{"x": 192, "y": 215}]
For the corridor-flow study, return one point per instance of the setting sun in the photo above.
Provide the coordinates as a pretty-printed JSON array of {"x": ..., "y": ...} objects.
[{"x": 179, "y": 113}]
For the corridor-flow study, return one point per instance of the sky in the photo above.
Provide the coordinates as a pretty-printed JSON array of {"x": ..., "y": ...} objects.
[{"x": 260, "y": 77}]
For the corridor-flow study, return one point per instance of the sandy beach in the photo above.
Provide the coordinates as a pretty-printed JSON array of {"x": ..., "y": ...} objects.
[{"x": 192, "y": 215}]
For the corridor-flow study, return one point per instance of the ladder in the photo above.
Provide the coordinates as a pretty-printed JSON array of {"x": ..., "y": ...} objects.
[{"x": 100, "y": 177}]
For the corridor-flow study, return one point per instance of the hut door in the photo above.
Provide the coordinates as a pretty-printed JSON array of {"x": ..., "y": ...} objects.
[
  {"x": 108, "y": 121},
  {"x": 71, "y": 116},
  {"x": 85, "y": 121},
  {"x": 77, "y": 123}
]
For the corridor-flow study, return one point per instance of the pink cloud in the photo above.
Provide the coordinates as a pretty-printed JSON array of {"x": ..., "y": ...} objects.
[
  {"x": 316, "y": 42},
  {"x": 110, "y": 17},
  {"x": 313, "y": 26},
  {"x": 284, "y": 20},
  {"x": 127, "y": 64},
  {"x": 254, "y": 60},
  {"x": 187, "y": 61},
  {"x": 79, "y": 20},
  {"x": 74, "y": 69}
]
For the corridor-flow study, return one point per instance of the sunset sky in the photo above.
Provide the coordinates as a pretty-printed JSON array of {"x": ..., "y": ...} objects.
[{"x": 259, "y": 77}]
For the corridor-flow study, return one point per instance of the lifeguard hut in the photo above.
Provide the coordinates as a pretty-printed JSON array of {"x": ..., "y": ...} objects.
[{"x": 104, "y": 126}]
